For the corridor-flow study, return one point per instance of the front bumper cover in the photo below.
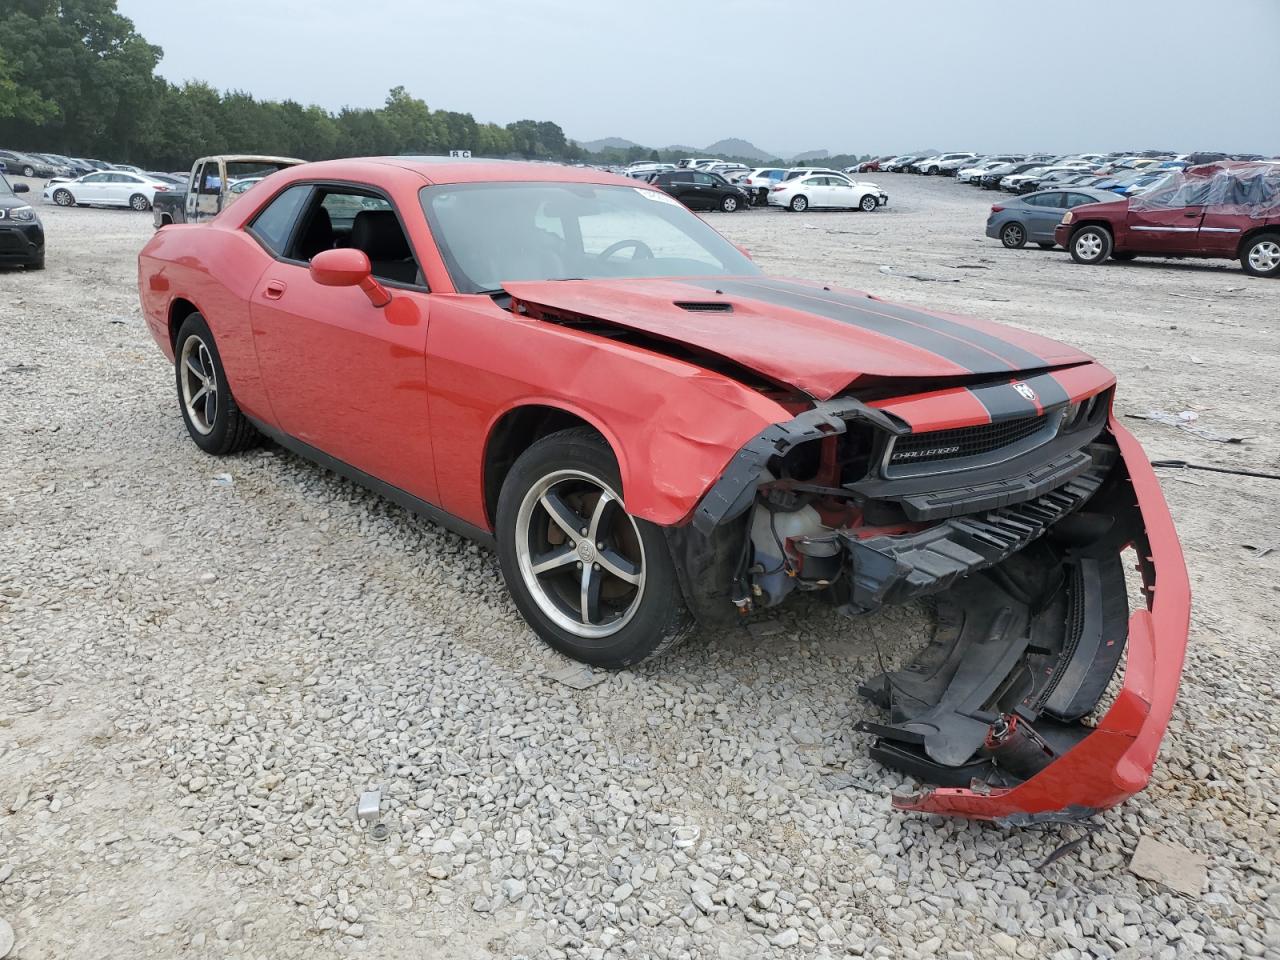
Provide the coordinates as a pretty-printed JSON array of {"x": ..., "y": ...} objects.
[
  {"x": 1042, "y": 662},
  {"x": 1113, "y": 760}
]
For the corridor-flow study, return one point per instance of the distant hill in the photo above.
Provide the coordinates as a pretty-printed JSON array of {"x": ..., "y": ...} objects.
[
  {"x": 812, "y": 155},
  {"x": 607, "y": 143},
  {"x": 734, "y": 147}
]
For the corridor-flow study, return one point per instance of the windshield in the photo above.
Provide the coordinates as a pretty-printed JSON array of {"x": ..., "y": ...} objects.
[
  {"x": 491, "y": 233},
  {"x": 5, "y": 189}
]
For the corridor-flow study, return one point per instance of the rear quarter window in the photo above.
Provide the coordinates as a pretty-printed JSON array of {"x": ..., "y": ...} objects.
[{"x": 274, "y": 223}]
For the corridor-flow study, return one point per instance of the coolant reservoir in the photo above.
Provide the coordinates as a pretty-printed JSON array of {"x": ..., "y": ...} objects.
[{"x": 805, "y": 522}]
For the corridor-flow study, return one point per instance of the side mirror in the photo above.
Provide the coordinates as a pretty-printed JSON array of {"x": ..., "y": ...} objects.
[
  {"x": 345, "y": 267},
  {"x": 21, "y": 188}
]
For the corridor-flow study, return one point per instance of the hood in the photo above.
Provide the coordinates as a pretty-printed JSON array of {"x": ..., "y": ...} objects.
[{"x": 816, "y": 339}]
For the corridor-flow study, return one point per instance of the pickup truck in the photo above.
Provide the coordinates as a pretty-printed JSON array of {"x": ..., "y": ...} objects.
[{"x": 212, "y": 187}]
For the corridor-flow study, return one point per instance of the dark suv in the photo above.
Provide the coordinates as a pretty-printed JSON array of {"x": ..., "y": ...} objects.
[
  {"x": 21, "y": 233},
  {"x": 702, "y": 191}
]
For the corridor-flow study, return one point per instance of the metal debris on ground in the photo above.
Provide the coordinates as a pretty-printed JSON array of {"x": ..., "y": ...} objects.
[
  {"x": 222, "y": 480},
  {"x": 369, "y": 805},
  {"x": 1260, "y": 550},
  {"x": 924, "y": 277},
  {"x": 1175, "y": 867},
  {"x": 843, "y": 781},
  {"x": 1182, "y": 421},
  {"x": 576, "y": 675},
  {"x": 1069, "y": 847}
]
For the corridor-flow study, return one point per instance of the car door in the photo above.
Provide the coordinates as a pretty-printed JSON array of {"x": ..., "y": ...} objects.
[
  {"x": 1166, "y": 220},
  {"x": 95, "y": 189},
  {"x": 1228, "y": 201},
  {"x": 121, "y": 188},
  {"x": 842, "y": 193},
  {"x": 704, "y": 192},
  {"x": 342, "y": 375},
  {"x": 1044, "y": 211}
]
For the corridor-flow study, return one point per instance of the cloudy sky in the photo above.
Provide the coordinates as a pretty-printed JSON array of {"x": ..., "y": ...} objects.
[{"x": 866, "y": 77}]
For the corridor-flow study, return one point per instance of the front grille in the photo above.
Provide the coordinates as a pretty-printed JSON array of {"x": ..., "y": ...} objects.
[{"x": 963, "y": 443}]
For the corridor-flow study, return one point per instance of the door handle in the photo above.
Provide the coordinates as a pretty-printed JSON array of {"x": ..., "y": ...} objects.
[
  {"x": 1192, "y": 213},
  {"x": 274, "y": 289}
]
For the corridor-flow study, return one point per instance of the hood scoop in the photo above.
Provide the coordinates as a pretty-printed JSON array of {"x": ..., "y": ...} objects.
[{"x": 704, "y": 306}]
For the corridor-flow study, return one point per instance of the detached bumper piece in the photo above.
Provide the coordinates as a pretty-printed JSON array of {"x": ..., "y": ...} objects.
[
  {"x": 993, "y": 710},
  {"x": 893, "y": 569}
]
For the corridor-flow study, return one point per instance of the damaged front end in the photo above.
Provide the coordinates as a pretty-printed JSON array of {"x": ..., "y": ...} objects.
[{"x": 1015, "y": 519}]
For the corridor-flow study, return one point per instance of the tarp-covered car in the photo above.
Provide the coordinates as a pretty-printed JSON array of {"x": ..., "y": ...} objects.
[
  {"x": 575, "y": 368},
  {"x": 1229, "y": 209}
]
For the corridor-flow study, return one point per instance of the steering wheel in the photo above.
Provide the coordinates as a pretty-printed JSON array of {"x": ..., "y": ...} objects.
[{"x": 642, "y": 250}]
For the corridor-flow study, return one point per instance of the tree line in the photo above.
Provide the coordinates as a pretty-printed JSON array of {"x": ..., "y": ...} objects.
[{"x": 76, "y": 78}]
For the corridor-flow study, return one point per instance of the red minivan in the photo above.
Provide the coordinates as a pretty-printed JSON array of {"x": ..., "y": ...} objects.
[{"x": 1228, "y": 209}]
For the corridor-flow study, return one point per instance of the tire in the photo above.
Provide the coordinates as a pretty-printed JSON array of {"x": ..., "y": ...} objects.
[
  {"x": 762, "y": 197},
  {"x": 63, "y": 198},
  {"x": 574, "y": 469},
  {"x": 1091, "y": 245},
  {"x": 729, "y": 204},
  {"x": 1260, "y": 255},
  {"x": 1013, "y": 235},
  {"x": 931, "y": 172},
  {"x": 28, "y": 171},
  {"x": 217, "y": 427},
  {"x": 1045, "y": 246},
  {"x": 140, "y": 203},
  {"x": 868, "y": 204},
  {"x": 799, "y": 204}
]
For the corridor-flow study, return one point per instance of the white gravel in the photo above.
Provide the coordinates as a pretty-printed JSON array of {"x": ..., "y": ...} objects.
[{"x": 198, "y": 679}]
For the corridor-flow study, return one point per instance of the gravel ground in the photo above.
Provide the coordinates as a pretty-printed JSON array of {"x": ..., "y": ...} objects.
[{"x": 197, "y": 679}]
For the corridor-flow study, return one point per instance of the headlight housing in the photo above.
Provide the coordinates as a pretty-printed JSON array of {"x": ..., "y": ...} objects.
[
  {"x": 1068, "y": 217},
  {"x": 25, "y": 214}
]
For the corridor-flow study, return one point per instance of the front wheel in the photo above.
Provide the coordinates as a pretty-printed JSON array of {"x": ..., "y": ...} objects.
[
  {"x": 1091, "y": 245},
  {"x": 63, "y": 198},
  {"x": 213, "y": 419},
  {"x": 1013, "y": 236},
  {"x": 592, "y": 581},
  {"x": 28, "y": 171},
  {"x": 728, "y": 203},
  {"x": 868, "y": 204},
  {"x": 1261, "y": 256},
  {"x": 139, "y": 202},
  {"x": 799, "y": 204}
]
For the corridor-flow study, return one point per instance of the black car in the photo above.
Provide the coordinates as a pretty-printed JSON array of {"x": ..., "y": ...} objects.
[
  {"x": 702, "y": 191},
  {"x": 21, "y": 233},
  {"x": 991, "y": 179}
]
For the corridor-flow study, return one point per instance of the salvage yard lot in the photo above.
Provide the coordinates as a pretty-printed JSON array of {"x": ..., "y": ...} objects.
[{"x": 200, "y": 673}]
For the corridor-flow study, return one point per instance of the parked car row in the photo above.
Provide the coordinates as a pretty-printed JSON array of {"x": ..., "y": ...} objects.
[{"x": 711, "y": 184}]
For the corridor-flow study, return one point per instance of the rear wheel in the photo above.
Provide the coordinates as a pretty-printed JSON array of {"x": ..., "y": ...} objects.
[
  {"x": 728, "y": 203},
  {"x": 213, "y": 419},
  {"x": 800, "y": 204},
  {"x": 868, "y": 204},
  {"x": 139, "y": 202},
  {"x": 1013, "y": 236},
  {"x": 28, "y": 171},
  {"x": 63, "y": 198},
  {"x": 592, "y": 581},
  {"x": 1091, "y": 245},
  {"x": 1261, "y": 255}
]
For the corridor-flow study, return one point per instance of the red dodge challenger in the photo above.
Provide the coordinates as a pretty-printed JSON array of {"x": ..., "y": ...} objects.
[{"x": 574, "y": 368}]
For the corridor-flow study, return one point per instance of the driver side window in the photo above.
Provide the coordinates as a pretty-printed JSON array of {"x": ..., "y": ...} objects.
[{"x": 364, "y": 220}]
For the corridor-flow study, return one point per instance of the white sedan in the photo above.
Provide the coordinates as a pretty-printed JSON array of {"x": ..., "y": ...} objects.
[
  {"x": 827, "y": 190},
  {"x": 106, "y": 188}
]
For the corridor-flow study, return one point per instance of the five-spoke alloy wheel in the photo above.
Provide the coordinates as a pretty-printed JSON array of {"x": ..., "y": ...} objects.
[
  {"x": 593, "y": 581},
  {"x": 209, "y": 409}
]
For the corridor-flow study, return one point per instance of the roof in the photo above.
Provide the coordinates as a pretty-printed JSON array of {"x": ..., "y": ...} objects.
[{"x": 480, "y": 170}]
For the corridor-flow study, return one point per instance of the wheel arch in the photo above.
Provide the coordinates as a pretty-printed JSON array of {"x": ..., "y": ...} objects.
[
  {"x": 518, "y": 428},
  {"x": 179, "y": 309},
  {"x": 1250, "y": 235}
]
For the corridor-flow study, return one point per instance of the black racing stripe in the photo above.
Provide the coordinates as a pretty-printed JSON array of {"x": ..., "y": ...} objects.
[
  {"x": 1049, "y": 390},
  {"x": 1016, "y": 357},
  {"x": 866, "y": 315},
  {"x": 1003, "y": 402}
]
